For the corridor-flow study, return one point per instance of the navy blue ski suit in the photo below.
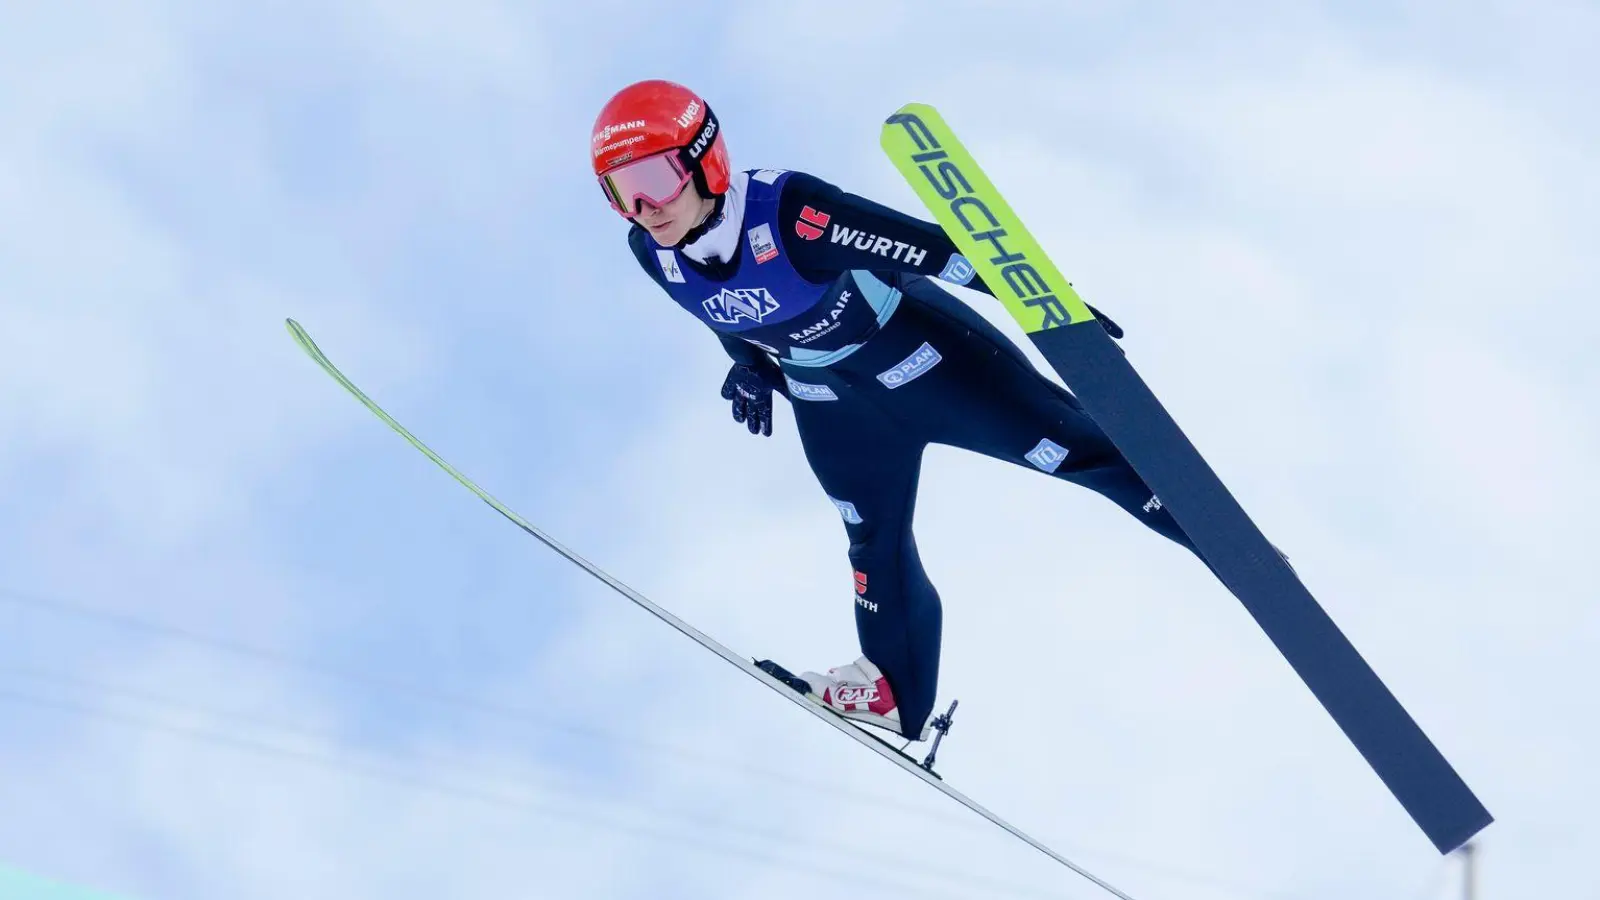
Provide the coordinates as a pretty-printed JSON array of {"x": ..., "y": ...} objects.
[{"x": 827, "y": 296}]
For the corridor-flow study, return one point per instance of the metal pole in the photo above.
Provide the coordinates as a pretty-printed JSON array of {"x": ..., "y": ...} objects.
[{"x": 1469, "y": 864}]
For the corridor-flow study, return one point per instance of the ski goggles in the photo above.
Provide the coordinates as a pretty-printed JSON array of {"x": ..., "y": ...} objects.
[{"x": 657, "y": 179}]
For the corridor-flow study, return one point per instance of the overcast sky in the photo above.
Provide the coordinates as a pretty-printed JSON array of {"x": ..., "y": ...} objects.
[{"x": 254, "y": 646}]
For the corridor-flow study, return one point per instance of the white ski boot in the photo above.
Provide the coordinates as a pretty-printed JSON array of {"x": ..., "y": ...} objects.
[{"x": 858, "y": 692}]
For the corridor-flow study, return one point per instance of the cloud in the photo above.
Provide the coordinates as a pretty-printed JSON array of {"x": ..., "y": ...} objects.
[{"x": 1352, "y": 264}]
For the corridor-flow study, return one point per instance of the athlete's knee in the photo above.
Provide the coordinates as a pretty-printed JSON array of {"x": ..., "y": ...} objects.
[{"x": 1119, "y": 483}]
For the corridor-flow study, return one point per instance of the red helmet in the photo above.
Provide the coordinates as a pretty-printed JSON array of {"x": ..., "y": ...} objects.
[{"x": 659, "y": 118}]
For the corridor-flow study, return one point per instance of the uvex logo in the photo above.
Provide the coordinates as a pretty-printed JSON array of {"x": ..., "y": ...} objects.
[
  {"x": 686, "y": 118},
  {"x": 810, "y": 224},
  {"x": 704, "y": 140}
]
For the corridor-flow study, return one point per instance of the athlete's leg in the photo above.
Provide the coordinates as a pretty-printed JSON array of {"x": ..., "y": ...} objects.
[
  {"x": 869, "y": 466},
  {"x": 987, "y": 397}
]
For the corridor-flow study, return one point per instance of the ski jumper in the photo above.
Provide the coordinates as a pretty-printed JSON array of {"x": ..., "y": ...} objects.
[{"x": 878, "y": 362}]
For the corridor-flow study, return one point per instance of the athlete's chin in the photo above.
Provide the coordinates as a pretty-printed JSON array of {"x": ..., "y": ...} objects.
[{"x": 665, "y": 233}]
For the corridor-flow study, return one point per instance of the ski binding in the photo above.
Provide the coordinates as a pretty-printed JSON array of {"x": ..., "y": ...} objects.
[{"x": 940, "y": 724}]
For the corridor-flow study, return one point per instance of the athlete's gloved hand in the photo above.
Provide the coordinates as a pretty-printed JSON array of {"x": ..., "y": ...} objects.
[
  {"x": 750, "y": 389},
  {"x": 1111, "y": 327}
]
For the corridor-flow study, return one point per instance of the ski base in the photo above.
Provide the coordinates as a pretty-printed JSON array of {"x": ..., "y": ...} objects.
[
  {"x": 1065, "y": 332},
  {"x": 744, "y": 664}
]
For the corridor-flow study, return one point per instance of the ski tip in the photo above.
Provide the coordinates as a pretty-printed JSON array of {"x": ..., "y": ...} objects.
[{"x": 915, "y": 107}]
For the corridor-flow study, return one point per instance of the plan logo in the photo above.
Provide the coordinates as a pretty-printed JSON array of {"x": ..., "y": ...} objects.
[
  {"x": 746, "y": 304},
  {"x": 799, "y": 390},
  {"x": 911, "y": 368}
]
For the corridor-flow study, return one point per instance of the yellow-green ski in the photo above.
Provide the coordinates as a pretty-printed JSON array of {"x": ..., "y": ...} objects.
[{"x": 986, "y": 230}]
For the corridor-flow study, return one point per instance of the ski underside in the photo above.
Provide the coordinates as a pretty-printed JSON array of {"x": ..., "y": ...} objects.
[
  {"x": 778, "y": 679},
  {"x": 1058, "y": 322}
]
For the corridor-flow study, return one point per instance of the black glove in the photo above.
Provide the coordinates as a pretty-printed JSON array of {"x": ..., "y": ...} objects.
[
  {"x": 1111, "y": 327},
  {"x": 750, "y": 389}
]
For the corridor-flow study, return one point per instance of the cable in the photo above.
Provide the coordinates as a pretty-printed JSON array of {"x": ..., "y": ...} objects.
[
  {"x": 495, "y": 790},
  {"x": 495, "y": 710},
  {"x": 478, "y": 706}
]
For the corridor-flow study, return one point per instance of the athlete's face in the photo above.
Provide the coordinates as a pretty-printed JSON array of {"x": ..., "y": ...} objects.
[{"x": 668, "y": 224}]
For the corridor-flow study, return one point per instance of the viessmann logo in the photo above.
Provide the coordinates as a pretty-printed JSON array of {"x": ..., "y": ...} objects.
[{"x": 605, "y": 133}]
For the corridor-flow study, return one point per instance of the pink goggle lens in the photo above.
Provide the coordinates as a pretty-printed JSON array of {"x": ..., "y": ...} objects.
[{"x": 657, "y": 179}]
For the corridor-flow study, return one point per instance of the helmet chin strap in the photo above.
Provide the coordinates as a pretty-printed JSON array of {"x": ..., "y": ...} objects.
[{"x": 704, "y": 225}]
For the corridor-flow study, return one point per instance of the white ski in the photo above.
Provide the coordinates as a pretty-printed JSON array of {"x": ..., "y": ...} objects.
[{"x": 878, "y": 745}]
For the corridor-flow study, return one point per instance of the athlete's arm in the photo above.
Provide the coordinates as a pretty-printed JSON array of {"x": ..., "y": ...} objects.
[{"x": 827, "y": 230}]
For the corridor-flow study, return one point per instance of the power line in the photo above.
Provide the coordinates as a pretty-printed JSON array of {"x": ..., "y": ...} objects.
[
  {"x": 488, "y": 709},
  {"x": 1469, "y": 870},
  {"x": 494, "y": 710},
  {"x": 496, "y": 793}
]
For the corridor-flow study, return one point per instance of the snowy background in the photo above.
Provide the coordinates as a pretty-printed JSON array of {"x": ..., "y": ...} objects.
[{"x": 254, "y": 646}]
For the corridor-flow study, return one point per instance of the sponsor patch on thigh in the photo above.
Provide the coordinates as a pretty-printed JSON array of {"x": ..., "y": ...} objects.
[
  {"x": 802, "y": 391},
  {"x": 1047, "y": 455},
  {"x": 911, "y": 368}
]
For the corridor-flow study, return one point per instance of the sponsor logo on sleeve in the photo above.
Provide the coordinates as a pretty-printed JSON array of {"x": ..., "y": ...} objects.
[
  {"x": 811, "y": 223},
  {"x": 899, "y": 251},
  {"x": 958, "y": 270}
]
